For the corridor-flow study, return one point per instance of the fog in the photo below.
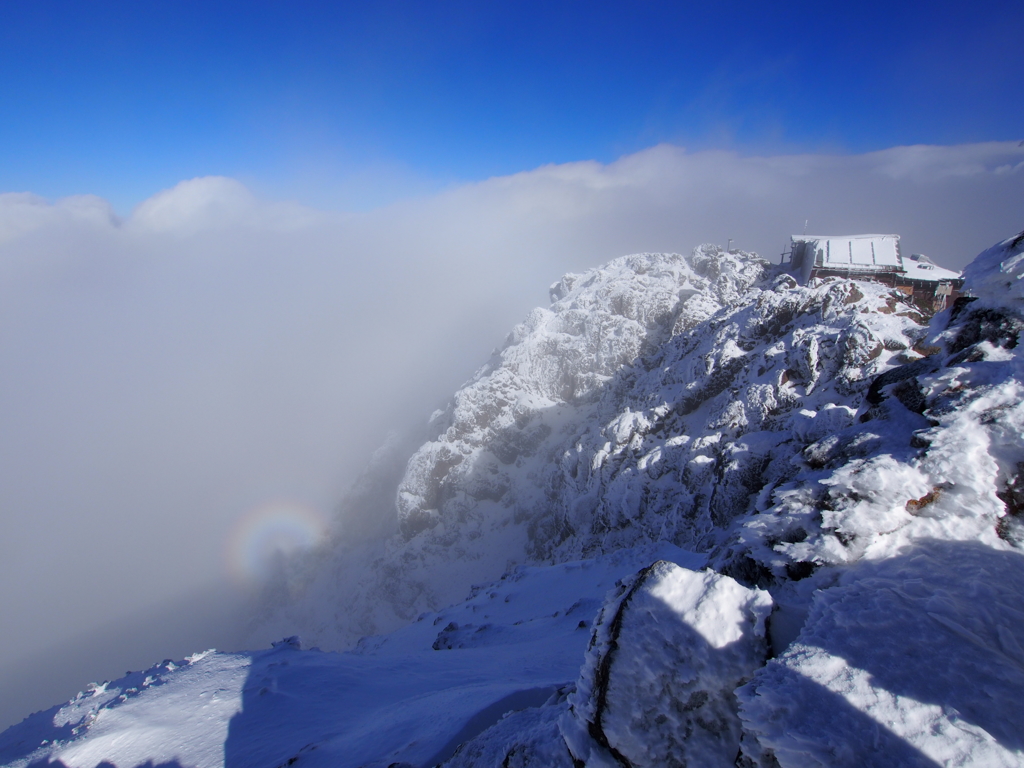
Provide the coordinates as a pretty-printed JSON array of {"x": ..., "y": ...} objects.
[{"x": 168, "y": 378}]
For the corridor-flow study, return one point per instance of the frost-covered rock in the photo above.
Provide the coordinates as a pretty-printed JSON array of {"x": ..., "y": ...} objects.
[
  {"x": 559, "y": 372},
  {"x": 996, "y": 276},
  {"x": 669, "y": 648},
  {"x": 936, "y": 452},
  {"x": 914, "y": 660},
  {"x": 658, "y": 398}
]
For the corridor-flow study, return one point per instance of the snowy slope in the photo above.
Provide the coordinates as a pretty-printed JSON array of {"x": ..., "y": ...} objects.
[
  {"x": 839, "y": 463},
  {"x": 411, "y": 697}
]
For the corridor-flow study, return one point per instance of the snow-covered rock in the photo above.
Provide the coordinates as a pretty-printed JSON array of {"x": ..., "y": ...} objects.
[
  {"x": 996, "y": 277},
  {"x": 669, "y": 649},
  {"x": 935, "y": 453},
  {"x": 659, "y": 398}
]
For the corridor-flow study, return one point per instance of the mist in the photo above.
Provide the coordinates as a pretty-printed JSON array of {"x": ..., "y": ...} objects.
[{"x": 168, "y": 377}]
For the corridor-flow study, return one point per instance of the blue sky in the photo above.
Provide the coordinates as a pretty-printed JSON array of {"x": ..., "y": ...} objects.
[{"x": 351, "y": 105}]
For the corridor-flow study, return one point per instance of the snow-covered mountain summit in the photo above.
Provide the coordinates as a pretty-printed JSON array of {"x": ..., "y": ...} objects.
[
  {"x": 712, "y": 517},
  {"x": 658, "y": 398}
]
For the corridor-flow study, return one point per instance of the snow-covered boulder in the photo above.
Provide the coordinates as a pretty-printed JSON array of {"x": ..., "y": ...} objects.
[{"x": 669, "y": 648}]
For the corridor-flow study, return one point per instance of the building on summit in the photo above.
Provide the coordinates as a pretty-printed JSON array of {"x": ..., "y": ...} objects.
[{"x": 877, "y": 258}]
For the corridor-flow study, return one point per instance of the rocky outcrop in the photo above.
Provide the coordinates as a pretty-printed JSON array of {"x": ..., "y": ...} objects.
[
  {"x": 660, "y": 397},
  {"x": 807, "y": 439},
  {"x": 668, "y": 650}
]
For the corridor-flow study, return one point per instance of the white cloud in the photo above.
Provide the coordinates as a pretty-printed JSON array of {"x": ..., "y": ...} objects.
[
  {"x": 164, "y": 375},
  {"x": 925, "y": 163},
  {"x": 23, "y": 212},
  {"x": 215, "y": 203}
]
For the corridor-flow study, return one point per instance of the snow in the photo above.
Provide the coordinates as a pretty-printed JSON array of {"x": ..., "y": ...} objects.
[
  {"x": 170, "y": 713},
  {"x": 670, "y": 647},
  {"x": 996, "y": 277},
  {"x": 853, "y": 250},
  {"x": 409, "y": 697},
  {"x": 507, "y": 596},
  {"x": 912, "y": 660}
]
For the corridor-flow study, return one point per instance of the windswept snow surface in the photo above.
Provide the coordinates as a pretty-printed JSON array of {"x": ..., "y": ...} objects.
[
  {"x": 822, "y": 453},
  {"x": 912, "y": 660}
]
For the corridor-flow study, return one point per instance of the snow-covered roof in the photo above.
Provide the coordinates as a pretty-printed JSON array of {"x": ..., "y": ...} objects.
[
  {"x": 867, "y": 253},
  {"x": 920, "y": 267}
]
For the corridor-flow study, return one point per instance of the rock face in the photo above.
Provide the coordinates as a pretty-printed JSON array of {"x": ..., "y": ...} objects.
[{"x": 648, "y": 403}]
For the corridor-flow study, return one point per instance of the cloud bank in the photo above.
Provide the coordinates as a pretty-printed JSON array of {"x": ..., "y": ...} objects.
[{"x": 168, "y": 375}]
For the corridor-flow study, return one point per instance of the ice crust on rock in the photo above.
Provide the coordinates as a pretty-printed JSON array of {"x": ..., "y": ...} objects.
[{"x": 669, "y": 648}]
